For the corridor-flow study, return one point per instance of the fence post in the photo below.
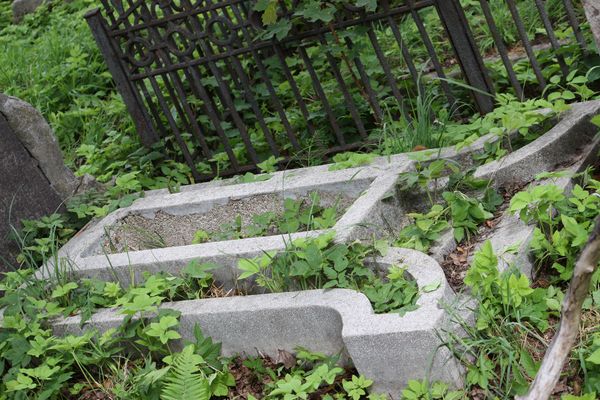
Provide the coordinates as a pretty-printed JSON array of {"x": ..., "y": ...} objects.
[
  {"x": 592, "y": 12},
  {"x": 130, "y": 97},
  {"x": 457, "y": 27}
]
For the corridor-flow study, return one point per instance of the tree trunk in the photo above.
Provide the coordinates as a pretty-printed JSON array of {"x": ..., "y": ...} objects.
[
  {"x": 563, "y": 341},
  {"x": 592, "y": 12}
]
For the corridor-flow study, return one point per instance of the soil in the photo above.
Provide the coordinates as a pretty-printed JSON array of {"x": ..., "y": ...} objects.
[
  {"x": 456, "y": 264},
  {"x": 137, "y": 232},
  {"x": 246, "y": 381}
]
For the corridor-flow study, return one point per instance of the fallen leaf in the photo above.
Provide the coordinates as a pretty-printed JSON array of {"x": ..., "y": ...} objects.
[{"x": 286, "y": 358}]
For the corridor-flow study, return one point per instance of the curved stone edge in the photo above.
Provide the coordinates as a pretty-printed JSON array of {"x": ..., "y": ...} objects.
[
  {"x": 511, "y": 231},
  {"x": 573, "y": 132},
  {"x": 572, "y": 143},
  {"x": 388, "y": 348}
]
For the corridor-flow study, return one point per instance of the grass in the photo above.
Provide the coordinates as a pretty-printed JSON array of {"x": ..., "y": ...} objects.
[
  {"x": 426, "y": 129},
  {"x": 52, "y": 61}
]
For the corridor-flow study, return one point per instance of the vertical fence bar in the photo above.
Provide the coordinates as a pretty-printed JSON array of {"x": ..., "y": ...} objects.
[
  {"x": 526, "y": 43},
  {"x": 267, "y": 81},
  {"x": 247, "y": 91},
  {"x": 342, "y": 85},
  {"x": 387, "y": 70},
  {"x": 431, "y": 51},
  {"x": 372, "y": 97},
  {"x": 294, "y": 86},
  {"x": 174, "y": 86},
  {"x": 130, "y": 97},
  {"x": 469, "y": 57},
  {"x": 403, "y": 49},
  {"x": 502, "y": 50},
  {"x": 552, "y": 37},
  {"x": 574, "y": 22},
  {"x": 319, "y": 91}
]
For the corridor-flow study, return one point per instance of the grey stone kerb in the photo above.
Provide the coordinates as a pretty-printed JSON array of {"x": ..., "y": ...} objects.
[
  {"x": 388, "y": 348},
  {"x": 570, "y": 144},
  {"x": 378, "y": 210},
  {"x": 373, "y": 212}
]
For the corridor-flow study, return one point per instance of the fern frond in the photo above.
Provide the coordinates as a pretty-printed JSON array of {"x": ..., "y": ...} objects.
[{"x": 184, "y": 380}]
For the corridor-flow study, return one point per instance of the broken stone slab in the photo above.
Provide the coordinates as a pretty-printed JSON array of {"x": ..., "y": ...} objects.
[
  {"x": 25, "y": 193},
  {"x": 573, "y": 132},
  {"x": 381, "y": 164},
  {"x": 388, "y": 348},
  {"x": 20, "y": 8},
  {"x": 35, "y": 134}
]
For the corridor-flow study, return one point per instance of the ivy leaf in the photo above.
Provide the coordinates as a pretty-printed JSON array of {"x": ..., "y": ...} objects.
[
  {"x": 63, "y": 290},
  {"x": 199, "y": 270},
  {"x": 141, "y": 303},
  {"x": 313, "y": 12},
  {"x": 580, "y": 234},
  {"x": 21, "y": 383},
  {"x": 249, "y": 268},
  {"x": 520, "y": 201},
  {"x": 279, "y": 30},
  {"x": 261, "y": 5},
  {"x": 369, "y": 5},
  {"x": 594, "y": 358},
  {"x": 270, "y": 13},
  {"x": 459, "y": 234},
  {"x": 431, "y": 287}
]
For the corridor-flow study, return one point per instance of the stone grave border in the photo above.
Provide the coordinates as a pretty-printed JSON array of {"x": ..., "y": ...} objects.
[{"x": 389, "y": 348}]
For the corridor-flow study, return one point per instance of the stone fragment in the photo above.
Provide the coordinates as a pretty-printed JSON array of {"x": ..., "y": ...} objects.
[
  {"x": 25, "y": 193},
  {"x": 21, "y": 8},
  {"x": 35, "y": 134}
]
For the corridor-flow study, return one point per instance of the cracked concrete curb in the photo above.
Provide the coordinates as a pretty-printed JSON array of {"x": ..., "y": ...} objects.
[
  {"x": 511, "y": 231},
  {"x": 573, "y": 132}
]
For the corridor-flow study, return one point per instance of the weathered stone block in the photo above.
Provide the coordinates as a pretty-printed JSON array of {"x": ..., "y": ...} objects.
[
  {"x": 23, "y": 7},
  {"x": 372, "y": 211},
  {"x": 32, "y": 130},
  {"x": 25, "y": 193}
]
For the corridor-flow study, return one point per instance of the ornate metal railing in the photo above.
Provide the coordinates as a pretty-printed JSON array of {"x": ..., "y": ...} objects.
[{"x": 207, "y": 74}]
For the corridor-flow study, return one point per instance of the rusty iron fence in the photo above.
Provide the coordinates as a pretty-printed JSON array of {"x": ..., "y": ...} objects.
[{"x": 204, "y": 75}]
